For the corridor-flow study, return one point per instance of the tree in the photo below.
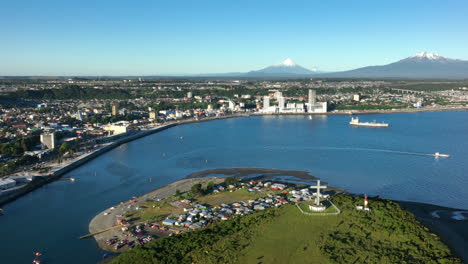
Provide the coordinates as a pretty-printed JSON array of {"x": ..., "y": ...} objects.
[
  {"x": 64, "y": 147},
  {"x": 210, "y": 185},
  {"x": 197, "y": 189},
  {"x": 231, "y": 181},
  {"x": 178, "y": 193}
]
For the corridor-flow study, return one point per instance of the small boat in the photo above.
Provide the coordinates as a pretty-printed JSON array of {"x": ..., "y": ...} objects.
[
  {"x": 72, "y": 179},
  {"x": 181, "y": 137},
  {"x": 440, "y": 155},
  {"x": 1, "y": 211}
]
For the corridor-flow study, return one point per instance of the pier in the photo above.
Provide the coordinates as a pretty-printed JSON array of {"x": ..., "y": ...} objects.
[{"x": 99, "y": 231}]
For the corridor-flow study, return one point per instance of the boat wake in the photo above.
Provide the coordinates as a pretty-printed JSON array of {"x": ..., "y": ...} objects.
[
  {"x": 381, "y": 150},
  {"x": 437, "y": 155}
]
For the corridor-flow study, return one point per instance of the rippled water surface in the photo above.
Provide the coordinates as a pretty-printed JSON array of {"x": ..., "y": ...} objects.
[{"x": 392, "y": 162}]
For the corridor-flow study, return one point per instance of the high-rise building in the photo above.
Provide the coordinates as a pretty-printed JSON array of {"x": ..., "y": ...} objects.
[
  {"x": 266, "y": 102},
  {"x": 152, "y": 115},
  {"x": 356, "y": 97},
  {"x": 281, "y": 102},
  {"x": 189, "y": 95},
  {"x": 48, "y": 140},
  {"x": 312, "y": 97},
  {"x": 232, "y": 105},
  {"x": 114, "y": 110}
]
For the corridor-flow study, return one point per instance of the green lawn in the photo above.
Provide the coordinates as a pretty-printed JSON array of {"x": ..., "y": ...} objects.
[{"x": 290, "y": 237}]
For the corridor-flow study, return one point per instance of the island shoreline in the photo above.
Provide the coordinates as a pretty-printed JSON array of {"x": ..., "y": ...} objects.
[{"x": 446, "y": 230}]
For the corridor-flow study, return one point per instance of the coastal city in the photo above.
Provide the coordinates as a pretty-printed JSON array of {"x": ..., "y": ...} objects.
[
  {"x": 49, "y": 125},
  {"x": 57, "y": 121},
  {"x": 246, "y": 132}
]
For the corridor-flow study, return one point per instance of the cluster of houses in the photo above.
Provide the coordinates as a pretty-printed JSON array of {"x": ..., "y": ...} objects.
[{"x": 196, "y": 216}]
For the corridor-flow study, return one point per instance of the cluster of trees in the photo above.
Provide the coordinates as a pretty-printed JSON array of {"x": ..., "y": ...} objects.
[
  {"x": 387, "y": 234},
  {"x": 10, "y": 167},
  {"x": 18, "y": 147},
  {"x": 71, "y": 92},
  {"x": 198, "y": 190}
]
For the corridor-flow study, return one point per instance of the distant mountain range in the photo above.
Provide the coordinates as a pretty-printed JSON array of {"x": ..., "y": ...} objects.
[{"x": 422, "y": 65}]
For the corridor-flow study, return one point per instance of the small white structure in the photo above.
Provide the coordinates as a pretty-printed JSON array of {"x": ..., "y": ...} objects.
[{"x": 317, "y": 208}]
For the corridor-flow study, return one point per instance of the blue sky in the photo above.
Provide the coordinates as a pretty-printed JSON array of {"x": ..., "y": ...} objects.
[{"x": 179, "y": 37}]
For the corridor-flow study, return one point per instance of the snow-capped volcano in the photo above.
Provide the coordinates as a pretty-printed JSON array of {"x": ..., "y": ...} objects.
[
  {"x": 287, "y": 62},
  {"x": 420, "y": 65},
  {"x": 284, "y": 68},
  {"x": 427, "y": 55}
]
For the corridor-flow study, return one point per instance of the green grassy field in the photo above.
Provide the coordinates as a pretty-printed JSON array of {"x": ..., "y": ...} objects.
[
  {"x": 387, "y": 234},
  {"x": 290, "y": 237}
]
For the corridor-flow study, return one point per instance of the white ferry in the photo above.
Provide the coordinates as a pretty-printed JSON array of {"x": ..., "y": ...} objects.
[{"x": 355, "y": 122}]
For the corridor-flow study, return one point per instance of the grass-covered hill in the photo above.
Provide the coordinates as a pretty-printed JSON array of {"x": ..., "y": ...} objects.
[{"x": 387, "y": 234}]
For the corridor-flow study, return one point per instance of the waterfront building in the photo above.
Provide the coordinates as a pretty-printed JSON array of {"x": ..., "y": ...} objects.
[
  {"x": 48, "y": 140},
  {"x": 7, "y": 184},
  {"x": 232, "y": 105},
  {"x": 281, "y": 102},
  {"x": 152, "y": 115},
  {"x": 313, "y": 106},
  {"x": 266, "y": 102},
  {"x": 117, "y": 128},
  {"x": 320, "y": 107}
]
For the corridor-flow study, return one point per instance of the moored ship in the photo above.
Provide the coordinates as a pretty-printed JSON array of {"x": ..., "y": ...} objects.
[{"x": 355, "y": 122}]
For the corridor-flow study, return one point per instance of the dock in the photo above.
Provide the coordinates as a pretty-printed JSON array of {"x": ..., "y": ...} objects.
[{"x": 99, "y": 231}]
